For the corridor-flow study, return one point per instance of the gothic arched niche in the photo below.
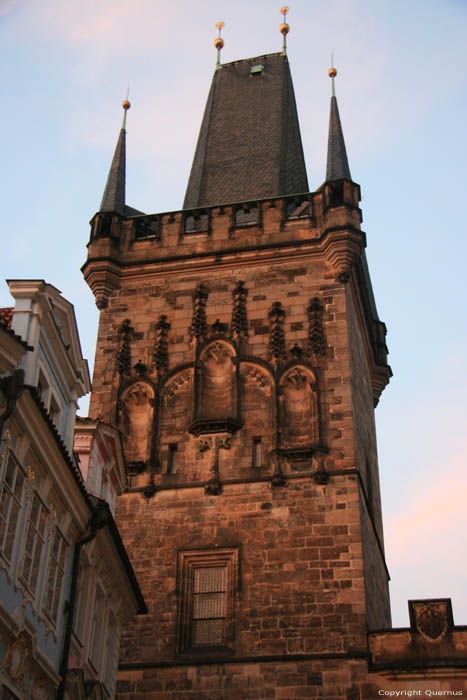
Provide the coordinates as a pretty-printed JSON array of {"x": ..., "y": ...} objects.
[
  {"x": 136, "y": 412},
  {"x": 217, "y": 396},
  {"x": 258, "y": 415},
  {"x": 175, "y": 407},
  {"x": 299, "y": 408}
]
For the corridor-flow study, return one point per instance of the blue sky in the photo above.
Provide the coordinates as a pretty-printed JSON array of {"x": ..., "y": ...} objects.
[{"x": 401, "y": 88}]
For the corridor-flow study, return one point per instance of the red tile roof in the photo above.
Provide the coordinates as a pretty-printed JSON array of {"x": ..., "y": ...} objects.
[{"x": 6, "y": 315}]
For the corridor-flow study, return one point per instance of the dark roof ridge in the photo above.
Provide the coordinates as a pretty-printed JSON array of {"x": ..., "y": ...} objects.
[{"x": 253, "y": 58}]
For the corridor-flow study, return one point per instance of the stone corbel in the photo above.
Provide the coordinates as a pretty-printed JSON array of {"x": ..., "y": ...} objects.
[{"x": 342, "y": 248}]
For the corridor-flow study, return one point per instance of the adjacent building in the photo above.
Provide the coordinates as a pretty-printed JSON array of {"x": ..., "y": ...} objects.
[{"x": 66, "y": 585}]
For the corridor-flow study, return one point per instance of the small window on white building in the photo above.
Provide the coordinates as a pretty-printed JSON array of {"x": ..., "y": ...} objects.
[
  {"x": 97, "y": 627},
  {"x": 43, "y": 388},
  {"x": 82, "y": 599},
  {"x": 111, "y": 653},
  {"x": 55, "y": 574},
  {"x": 33, "y": 543},
  {"x": 11, "y": 501},
  {"x": 54, "y": 412}
]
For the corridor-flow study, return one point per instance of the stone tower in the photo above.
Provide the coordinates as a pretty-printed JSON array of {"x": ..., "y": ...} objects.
[{"x": 241, "y": 354}]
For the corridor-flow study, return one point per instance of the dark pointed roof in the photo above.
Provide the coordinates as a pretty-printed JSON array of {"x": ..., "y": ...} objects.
[
  {"x": 114, "y": 193},
  {"x": 249, "y": 145},
  {"x": 337, "y": 164}
]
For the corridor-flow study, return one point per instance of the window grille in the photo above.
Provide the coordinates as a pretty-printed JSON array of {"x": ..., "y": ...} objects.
[
  {"x": 257, "y": 452},
  {"x": 209, "y": 583},
  {"x": 11, "y": 501},
  {"x": 209, "y": 606}
]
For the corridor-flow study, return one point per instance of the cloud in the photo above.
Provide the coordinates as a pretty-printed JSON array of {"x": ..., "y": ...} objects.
[{"x": 426, "y": 543}]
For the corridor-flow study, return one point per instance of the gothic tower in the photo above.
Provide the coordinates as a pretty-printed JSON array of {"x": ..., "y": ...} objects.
[{"x": 241, "y": 354}]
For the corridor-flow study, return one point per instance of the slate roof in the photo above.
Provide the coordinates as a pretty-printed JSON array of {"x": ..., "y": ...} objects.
[
  {"x": 249, "y": 145},
  {"x": 337, "y": 164},
  {"x": 114, "y": 193}
]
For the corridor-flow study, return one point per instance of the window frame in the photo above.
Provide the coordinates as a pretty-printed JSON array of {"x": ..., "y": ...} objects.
[
  {"x": 98, "y": 625},
  {"x": 188, "y": 562},
  {"x": 59, "y": 562},
  {"x": 13, "y": 500},
  {"x": 42, "y": 536}
]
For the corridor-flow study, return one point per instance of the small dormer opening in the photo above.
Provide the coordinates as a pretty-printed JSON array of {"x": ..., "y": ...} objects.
[{"x": 257, "y": 70}]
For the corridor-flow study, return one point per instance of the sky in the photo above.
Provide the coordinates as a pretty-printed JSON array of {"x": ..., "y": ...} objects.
[{"x": 401, "y": 88}]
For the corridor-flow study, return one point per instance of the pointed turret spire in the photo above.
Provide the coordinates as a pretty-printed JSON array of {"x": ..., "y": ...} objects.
[
  {"x": 337, "y": 164},
  {"x": 114, "y": 193}
]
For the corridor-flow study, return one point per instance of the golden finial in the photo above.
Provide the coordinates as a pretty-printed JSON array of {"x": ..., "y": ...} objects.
[
  {"x": 332, "y": 74},
  {"x": 219, "y": 43},
  {"x": 126, "y": 104},
  {"x": 284, "y": 28}
]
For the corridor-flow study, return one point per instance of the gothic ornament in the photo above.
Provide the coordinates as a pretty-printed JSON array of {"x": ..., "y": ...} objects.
[
  {"x": 239, "y": 315},
  {"x": 316, "y": 339},
  {"x": 125, "y": 333},
  {"x": 198, "y": 328},
  {"x": 161, "y": 353},
  {"x": 276, "y": 333}
]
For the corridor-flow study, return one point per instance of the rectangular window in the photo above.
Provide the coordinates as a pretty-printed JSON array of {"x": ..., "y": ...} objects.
[
  {"x": 97, "y": 627},
  {"x": 208, "y": 585},
  {"x": 209, "y": 606},
  {"x": 11, "y": 501},
  {"x": 34, "y": 543},
  {"x": 54, "y": 412},
  {"x": 257, "y": 452},
  {"x": 172, "y": 458},
  {"x": 82, "y": 599},
  {"x": 111, "y": 653},
  {"x": 55, "y": 574}
]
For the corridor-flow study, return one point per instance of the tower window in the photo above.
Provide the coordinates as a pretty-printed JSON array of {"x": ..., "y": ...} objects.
[
  {"x": 172, "y": 458},
  {"x": 207, "y": 595},
  {"x": 257, "y": 452}
]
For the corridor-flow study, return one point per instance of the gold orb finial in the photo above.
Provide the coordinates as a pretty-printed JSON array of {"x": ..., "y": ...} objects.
[
  {"x": 126, "y": 104},
  {"x": 284, "y": 28},
  {"x": 219, "y": 42},
  {"x": 332, "y": 72}
]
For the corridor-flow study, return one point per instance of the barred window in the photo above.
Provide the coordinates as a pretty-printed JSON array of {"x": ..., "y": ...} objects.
[
  {"x": 257, "y": 452},
  {"x": 55, "y": 574},
  {"x": 34, "y": 543},
  {"x": 207, "y": 598},
  {"x": 11, "y": 501}
]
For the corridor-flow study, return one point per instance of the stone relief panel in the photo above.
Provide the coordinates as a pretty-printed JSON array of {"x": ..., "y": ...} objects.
[
  {"x": 136, "y": 407},
  {"x": 299, "y": 408},
  {"x": 217, "y": 395}
]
